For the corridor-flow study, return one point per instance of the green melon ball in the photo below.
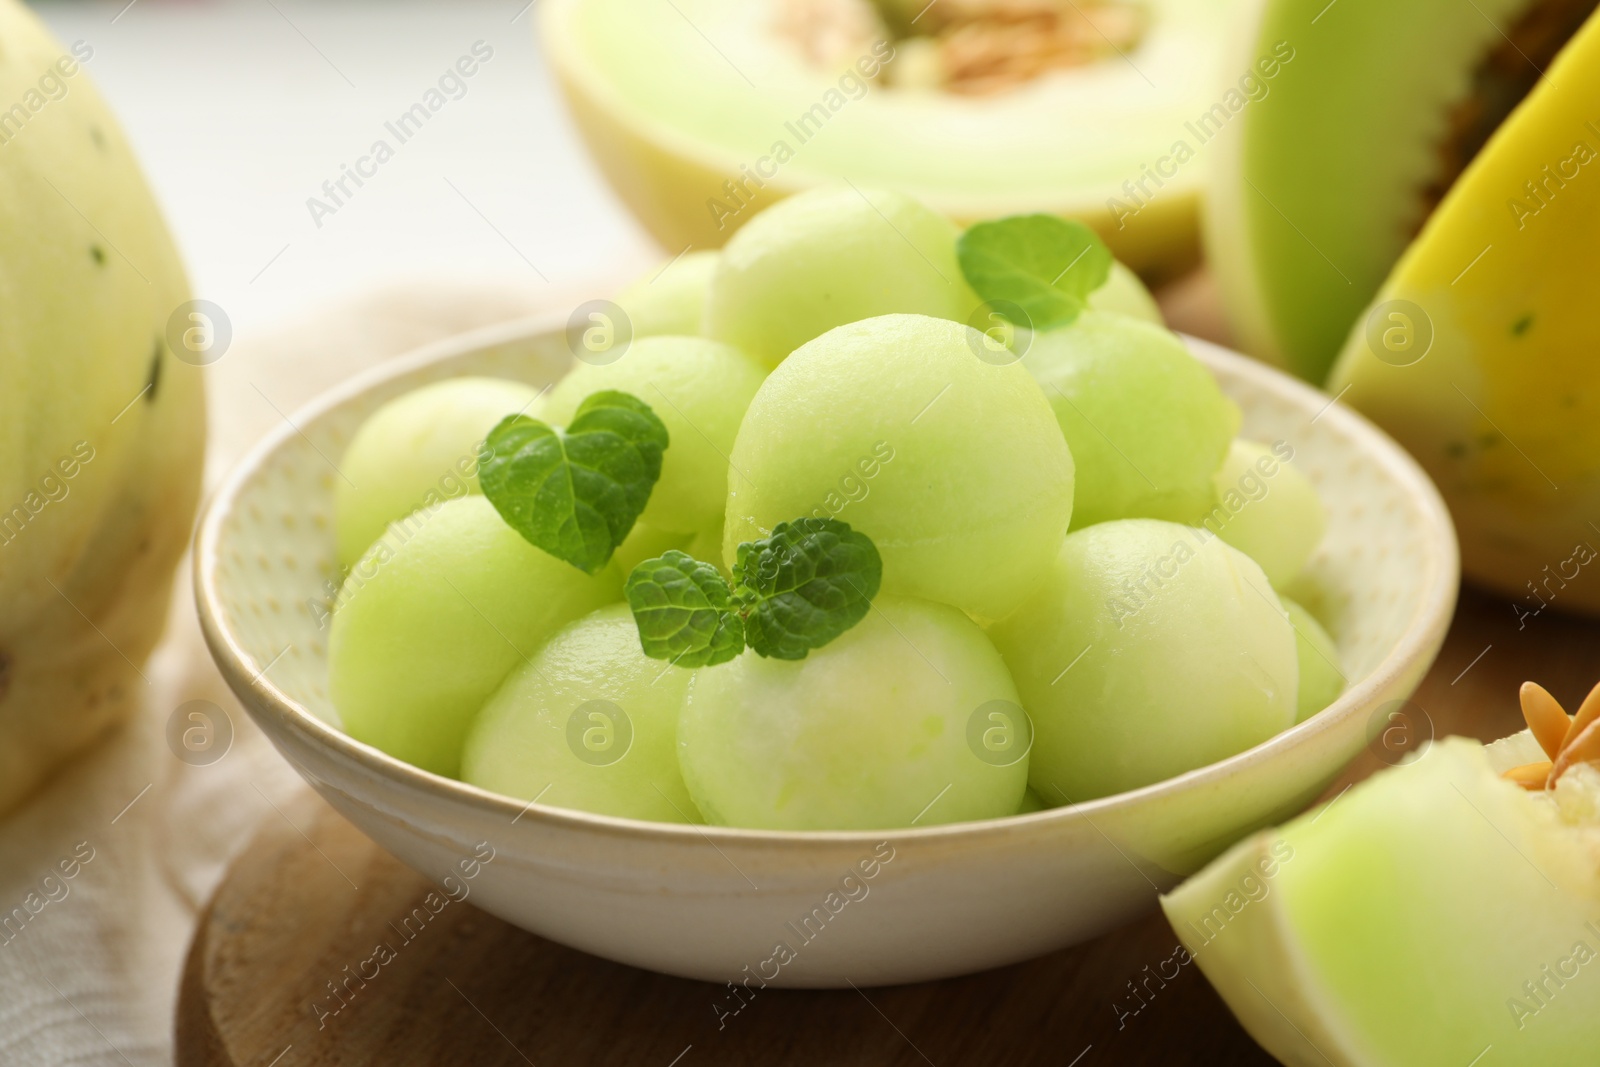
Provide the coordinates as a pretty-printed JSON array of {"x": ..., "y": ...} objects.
[
  {"x": 1147, "y": 423},
  {"x": 418, "y": 449},
  {"x": 1321, "y": 674},
  {"x": 1031, "y": 802},
  {"x": 699, "y": 389},
  {"x": 670, "y": 299},
  {"x": 432, "y": 619},
  {"x": 646, "y": 542},
  {"x": 828, "y": 257},
  {"x": 870, "y": 731},
  {"x": 1125, "y": 294},
  {"x": 590, "y": 722},
  {"x": 1267, "y": 509},
  {"x": 707, "y": 546},
  {"x": 954, "y": 466},
  {"x": 1148, "y": 649}
]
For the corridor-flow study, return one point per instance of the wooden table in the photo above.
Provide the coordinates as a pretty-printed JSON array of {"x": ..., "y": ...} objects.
[{"x": 472, "y": 990}]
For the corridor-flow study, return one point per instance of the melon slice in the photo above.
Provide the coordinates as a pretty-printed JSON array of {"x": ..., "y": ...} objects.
[
  {"x": 1478, "y": 353},
  {"x": 1317, "y": 189},
  {"x": 1436, "y": 914},
  {"x": 700, "y": 112}
]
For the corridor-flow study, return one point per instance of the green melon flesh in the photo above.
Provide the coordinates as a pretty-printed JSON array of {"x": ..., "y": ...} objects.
[
  {"x": 1317, "y": 188},
  {"x": 830, "y": 257},
  {"x": 1146, "y": 650},
  {"x": 624, "y": 758},
  {"x": 416, "y": 450},
  {"x": 671, "y": 299},
  {"x": 871, "y": 731},
  {"x": 1322, "y": 676},
  {"x": 1125, "y": 294},
  {"x": 434, "y": 616},
  {"x": 954, "y": 466},
  {"x": 1145, "y": 420},
  {"x": 699, "y": 389},
  {"x": 1399, "y": 925}
]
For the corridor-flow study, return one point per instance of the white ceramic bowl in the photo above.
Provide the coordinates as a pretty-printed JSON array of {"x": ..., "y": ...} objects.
[{"x": 709, "y": 903}]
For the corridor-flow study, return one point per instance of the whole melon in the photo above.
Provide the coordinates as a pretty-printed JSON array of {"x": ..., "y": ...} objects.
[{"x": 102, "y": 427}]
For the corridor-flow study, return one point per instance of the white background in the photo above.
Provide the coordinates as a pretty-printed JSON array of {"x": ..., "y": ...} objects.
[{"x": 241, "y": 109}]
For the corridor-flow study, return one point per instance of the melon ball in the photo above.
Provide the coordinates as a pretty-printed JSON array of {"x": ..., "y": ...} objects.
[
  {"x": 1124, "y": 293},
  {"x": 1147, "y": 650},
  {"x": 828, "y": 257},
  {"x": 707, "y": 546},
  {"x": 954, "y": 466},
  {"x": 590, "y": 722},
  {"x": 431, "y": 620},
  {"x": 1031, "y": 802},
  {"x": 1267, "y": 509},
  {"x": 873, "y": 730},
  {"x": 1147, "y": 423},
  {"x": 1322, "y": 676},
  {"x": 670, "y": 299},
  {"x": 418, "y": 449},
  {"x": 646, "y": 542},
  {"x": 699, "y": 389}
]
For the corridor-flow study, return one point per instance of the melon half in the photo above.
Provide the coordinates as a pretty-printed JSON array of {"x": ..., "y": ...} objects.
[{"x": 701, "y": 112}]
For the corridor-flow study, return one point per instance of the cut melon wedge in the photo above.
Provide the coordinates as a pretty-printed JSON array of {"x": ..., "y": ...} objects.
[
  {"x": 1316, "y": 190},
  {"x": 1436, "y": 914},
  {"x": 1503, "y": 405}
]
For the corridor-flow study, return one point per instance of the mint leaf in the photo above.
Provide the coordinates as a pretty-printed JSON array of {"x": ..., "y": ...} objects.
[
  {"x": 683, "y": 611},
  {"x": 797, "y": 590},
  {"x": 575, "y": 493},
  {"x": 1043, "y": 264},
  {"x": 805, "y": 585}
]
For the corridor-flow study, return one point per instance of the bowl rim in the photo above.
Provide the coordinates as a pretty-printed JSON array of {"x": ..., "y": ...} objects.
[{"x": 276, "y": 711}]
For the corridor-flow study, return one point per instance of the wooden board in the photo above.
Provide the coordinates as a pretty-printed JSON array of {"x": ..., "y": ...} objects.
[{"x": 468, "y": 989}]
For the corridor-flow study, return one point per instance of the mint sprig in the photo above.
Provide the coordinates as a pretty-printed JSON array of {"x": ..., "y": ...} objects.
[
  {"x": 576, "y": 492},
  {"x": 1043, "y": 264},
  {"x": 792, "y": 592},
  {"x": 805, "y": 585},
  {"x": 684, "y": 612}
]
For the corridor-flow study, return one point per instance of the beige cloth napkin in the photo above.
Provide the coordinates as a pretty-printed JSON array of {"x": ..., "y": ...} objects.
[{"x": 91, "y": 977}]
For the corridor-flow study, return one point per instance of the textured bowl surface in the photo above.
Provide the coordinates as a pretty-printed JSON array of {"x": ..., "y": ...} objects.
[{"x": 816, "y": 909}]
